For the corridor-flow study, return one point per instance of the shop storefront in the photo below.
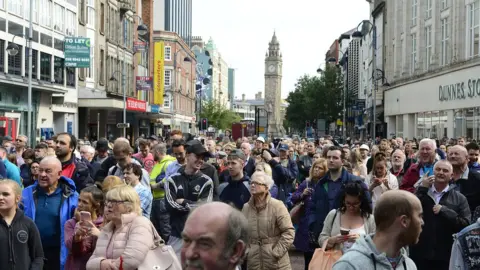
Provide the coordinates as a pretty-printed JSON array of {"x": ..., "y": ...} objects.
[{"x": 445, "y": 104}]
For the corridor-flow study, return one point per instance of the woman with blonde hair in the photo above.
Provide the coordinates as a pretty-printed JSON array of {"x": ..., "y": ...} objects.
[
  {"x": 19, "y": 237},
  {"x": 270, "y": 225},
  {"x": 303, "y": 240},
  {"x": 111, "y": 182},
  {"x": 358, "y": 166},
  {"x": 127, "y": 238}
]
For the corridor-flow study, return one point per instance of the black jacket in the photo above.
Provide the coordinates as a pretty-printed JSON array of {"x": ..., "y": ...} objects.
[
  {"x": 192, "y": 189},
  {"x": 235, "y": 192},
  {"x": 249, "y": 168},
  {"x": 20, "y": 244},
  {"x": 436, "y": 238},
  {"x": 470, "y": 188}
]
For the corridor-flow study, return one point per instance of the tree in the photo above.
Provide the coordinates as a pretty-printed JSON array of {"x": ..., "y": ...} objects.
[
  {"x": 315, "y": 97},
  {"x": 218, "y": 115}
]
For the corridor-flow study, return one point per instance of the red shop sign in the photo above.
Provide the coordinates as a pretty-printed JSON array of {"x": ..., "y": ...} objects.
[{"x": 136, "y": 105}]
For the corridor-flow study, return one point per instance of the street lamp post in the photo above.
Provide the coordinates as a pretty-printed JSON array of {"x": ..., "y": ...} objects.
[
  {"x": 142, "y": 29},
  {"x": 12, "y": 50},
  {"x": 358, "y": 34},
  {"x": 344, "y": 90}
]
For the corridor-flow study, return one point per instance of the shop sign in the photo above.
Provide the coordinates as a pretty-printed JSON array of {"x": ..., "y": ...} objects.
[
  {"x": 459, "y": 91},
  {"x": 136, "y": 105},
  {"x": 139, "y": 46},
  {"x": 144, "y": 83},
  {"x": 154, "y": 108},
  {"x": 77, "y": 52}
]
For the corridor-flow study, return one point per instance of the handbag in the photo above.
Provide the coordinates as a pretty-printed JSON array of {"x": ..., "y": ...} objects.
[
  {"x": 297, "y": 212},
  {"x": 324, "y": 259},
  {"x": 160, "y": 256}
]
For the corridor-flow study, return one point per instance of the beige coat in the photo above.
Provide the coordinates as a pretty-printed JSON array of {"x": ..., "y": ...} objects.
[
  {"x": 271, "y": 235},
  {"x": 131, "y": 241}
]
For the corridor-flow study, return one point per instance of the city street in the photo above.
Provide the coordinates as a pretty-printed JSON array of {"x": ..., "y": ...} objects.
[{"x": 296, "y": 259}]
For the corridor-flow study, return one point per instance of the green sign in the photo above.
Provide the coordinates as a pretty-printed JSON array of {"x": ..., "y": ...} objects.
[{"x": 77, "y": 52}]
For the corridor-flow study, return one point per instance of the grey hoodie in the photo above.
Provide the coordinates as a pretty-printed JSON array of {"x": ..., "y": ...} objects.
[{"x": 364, "y": 255}]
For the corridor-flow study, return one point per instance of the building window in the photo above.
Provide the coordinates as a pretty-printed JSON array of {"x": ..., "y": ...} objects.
[
  {"x": 102, "y": 67},
  {"x": 168, "y": 77},
  {"x": 15, "y": 7},
  {"x": 2, "y": 4},
  {"x": 2, "y": 56},
  {"x": 414, "y": 53},
  {"x": 443, "y": 4},
  {"x": 59, "y": 18},
  {"x": 91, "y": 70},
  {"x": 166, "y": 101},
  {"x": 81, "y": 11},
  {"x": 70, "y": 76},
  {"x": 46, "y": 11},
  {"x": 72, "y": 2},
  {"x": 71, "y": 24},
  {"x": 34, "y": 63},
  {"x": 428, "y": 46},
  {"x": 428, "y": 12},
  {"x": 473, "y": 28},
  {"x": 15, "y": 62},
  {"x": 168, "y": 53},
  {"x": 58, "y": 75},
  {"x": 45, "y": 67},
  {"x": 445, "y": 43},
  {"x": 27, "y": 10},
  {"x": 414, "y": 11},
  {"x": 102, "y": 18},
  {"x": 91, "y": 13}
]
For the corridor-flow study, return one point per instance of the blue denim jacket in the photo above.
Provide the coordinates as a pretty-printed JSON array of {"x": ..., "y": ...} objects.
[{"x": 466, "y": 248}]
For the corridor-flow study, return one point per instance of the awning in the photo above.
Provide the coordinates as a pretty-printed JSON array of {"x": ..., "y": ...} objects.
[{"x": 100, "y": 103}]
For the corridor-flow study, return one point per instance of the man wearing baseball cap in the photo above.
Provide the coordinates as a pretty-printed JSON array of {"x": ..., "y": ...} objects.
[
  {"x": 185, "y": 189},
  {"x": 284, "y": 171}
]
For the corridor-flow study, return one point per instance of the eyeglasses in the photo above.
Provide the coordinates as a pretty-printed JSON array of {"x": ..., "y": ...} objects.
[
  {"x": 257, "y": 184},
  {"x": 352, "y": 204},
  {"x": 114, "y": 202}
]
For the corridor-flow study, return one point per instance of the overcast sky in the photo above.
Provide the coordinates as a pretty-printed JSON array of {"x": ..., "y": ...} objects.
[{"x": 241, "y": 29}]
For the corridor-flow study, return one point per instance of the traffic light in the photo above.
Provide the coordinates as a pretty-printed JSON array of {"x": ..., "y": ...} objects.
[
  {"x": 307, "y": 124},
  {"x": 203, "y": 124}
]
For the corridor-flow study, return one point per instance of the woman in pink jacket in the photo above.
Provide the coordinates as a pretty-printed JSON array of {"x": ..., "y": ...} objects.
[
  {"x": 127, "y": 238},
  {"x": 81, "y": 232}
]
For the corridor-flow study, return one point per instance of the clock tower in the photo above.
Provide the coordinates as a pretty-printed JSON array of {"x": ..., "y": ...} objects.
[{"x": 273, "y": 88}]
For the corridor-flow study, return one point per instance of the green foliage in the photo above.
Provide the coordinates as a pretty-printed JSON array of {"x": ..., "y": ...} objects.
[
  {"x": 315, "y": 97},
  {"x": 218, "y": 115}
]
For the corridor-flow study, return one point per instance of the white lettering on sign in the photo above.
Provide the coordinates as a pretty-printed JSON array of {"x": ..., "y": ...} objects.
[{"x": 136, "y": 105}]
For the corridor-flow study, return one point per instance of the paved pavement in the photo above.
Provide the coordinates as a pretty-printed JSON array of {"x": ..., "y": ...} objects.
[{"x": 296, "y": 259}]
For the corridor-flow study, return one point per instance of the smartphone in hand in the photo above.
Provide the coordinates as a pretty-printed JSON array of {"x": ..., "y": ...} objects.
[{"x": 344, "y": 232}]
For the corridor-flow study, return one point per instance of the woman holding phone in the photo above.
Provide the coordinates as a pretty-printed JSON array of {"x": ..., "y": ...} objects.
[
  {"x": 344, "y": 226},
  {"x": 81, "y": 232},
  {"x": 303, "y": 240},
  {"x": 380, "y": 179}
]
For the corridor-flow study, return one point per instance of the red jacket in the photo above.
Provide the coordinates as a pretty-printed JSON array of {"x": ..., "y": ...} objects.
[{"x": 411, "y": 177}]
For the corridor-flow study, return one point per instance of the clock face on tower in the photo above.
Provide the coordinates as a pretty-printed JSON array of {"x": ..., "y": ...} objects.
[{"x": 271, "y": 68}]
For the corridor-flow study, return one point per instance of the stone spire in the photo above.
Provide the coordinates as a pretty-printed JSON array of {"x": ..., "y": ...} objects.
[{"x": 274, "y": 46}]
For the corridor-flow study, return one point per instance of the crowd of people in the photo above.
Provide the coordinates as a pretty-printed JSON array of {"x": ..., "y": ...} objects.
[{"x": 219, "y": 204}]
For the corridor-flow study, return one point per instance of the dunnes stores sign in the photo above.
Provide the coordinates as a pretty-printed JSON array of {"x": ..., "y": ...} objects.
[{"x": 459, "y": 91}]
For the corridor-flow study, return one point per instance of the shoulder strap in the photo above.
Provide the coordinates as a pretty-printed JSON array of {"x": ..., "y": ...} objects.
[
  {"x": 157, "y": 239},
  {"x": 333, "y": 220},
  {"x": 114, "y": 169}
]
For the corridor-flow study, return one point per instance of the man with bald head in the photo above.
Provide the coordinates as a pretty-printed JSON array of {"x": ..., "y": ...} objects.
[
  {"x": 465, "y": 181},
  {"x": 398, "y": 220},
  {"x": 215, "y": 237},
  {"x": 50, "y": 202}
]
